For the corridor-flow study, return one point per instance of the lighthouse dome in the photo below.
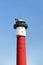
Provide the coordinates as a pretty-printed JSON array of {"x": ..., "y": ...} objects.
[{"x": 20, "y": 19}]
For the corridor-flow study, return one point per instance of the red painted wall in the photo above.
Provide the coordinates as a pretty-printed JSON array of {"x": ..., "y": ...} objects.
[{"x": 21, "y": 50}]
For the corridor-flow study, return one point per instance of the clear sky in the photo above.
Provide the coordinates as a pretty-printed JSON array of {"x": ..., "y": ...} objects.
[{"x": 32, "y": 12}]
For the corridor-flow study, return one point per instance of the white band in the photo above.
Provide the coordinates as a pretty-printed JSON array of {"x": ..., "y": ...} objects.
[{"x": 21, "y": 31}]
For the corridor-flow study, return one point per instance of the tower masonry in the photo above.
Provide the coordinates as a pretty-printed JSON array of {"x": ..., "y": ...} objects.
[{"x": 21, "y": 27}]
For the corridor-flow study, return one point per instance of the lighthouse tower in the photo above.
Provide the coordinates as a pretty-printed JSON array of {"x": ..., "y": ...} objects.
[{"x": 21, "y": 27}]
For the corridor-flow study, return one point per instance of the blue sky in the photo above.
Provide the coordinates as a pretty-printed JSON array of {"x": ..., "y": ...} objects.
[{"x": 32, "y": 12}]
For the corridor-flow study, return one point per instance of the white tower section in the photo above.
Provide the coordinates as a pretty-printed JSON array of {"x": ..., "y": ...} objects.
[{"x": 21, "y": 31}]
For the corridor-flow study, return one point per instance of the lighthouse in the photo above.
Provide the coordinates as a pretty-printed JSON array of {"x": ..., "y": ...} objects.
[{"x": 21, "y": 27}]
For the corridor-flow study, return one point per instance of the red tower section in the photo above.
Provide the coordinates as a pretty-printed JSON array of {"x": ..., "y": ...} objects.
[
  {"x": 21, "y": 27},
  {"x": 21, "y": 50}
]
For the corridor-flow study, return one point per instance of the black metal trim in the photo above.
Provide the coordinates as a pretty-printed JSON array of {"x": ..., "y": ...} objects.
[{"x": 20, "y": 23}]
